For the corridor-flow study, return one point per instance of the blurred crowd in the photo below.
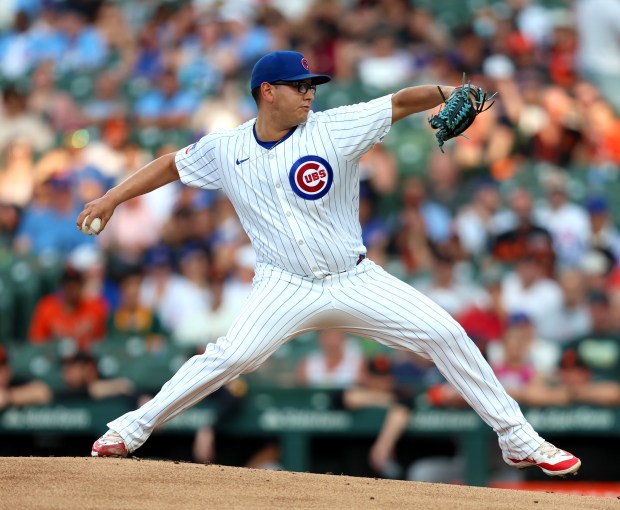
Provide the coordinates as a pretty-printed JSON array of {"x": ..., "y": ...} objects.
[{"x": 514, "y": 230}]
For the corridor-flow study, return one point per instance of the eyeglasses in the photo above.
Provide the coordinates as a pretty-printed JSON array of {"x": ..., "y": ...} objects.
[{"x": 302, "y": 86}]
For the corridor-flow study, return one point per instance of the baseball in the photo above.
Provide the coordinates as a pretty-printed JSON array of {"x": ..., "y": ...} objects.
[{"x": 95, "y": 226}]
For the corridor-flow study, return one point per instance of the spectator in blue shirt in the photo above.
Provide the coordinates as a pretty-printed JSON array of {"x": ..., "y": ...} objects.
[
  {"x": 149, "y": 63},
  {"x": 48, "y": 225},
  {"x": 46, "y": 38},
  {"x": 83, "y": 47},
  {"x": 167, "y": 106},
  {"x": 15, "y": 52}
]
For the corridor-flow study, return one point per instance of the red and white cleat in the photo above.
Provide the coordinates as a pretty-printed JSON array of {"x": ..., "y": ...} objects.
[
  {"x": 109, "y": 445},
  {"x": 552, "y": 460}
]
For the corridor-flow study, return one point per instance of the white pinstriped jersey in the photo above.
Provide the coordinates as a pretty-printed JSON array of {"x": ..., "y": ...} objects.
[{"x": 299, "y": 200}]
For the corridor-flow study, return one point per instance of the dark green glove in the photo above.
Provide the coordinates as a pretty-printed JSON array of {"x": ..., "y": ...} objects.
[{"x": 459, "y": 111}]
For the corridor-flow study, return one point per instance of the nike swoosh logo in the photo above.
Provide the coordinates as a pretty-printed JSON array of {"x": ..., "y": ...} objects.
[{"x": 241, "y": 161}]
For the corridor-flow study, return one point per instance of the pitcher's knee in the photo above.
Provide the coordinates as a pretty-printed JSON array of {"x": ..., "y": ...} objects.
[
  {"x": 451, "y": 331},
  {"x": 236, "y": 356},
  {"x": 223, "y": 356},
  {"x": 237, "y": 363},
  {"x": 457, "y": 331}
]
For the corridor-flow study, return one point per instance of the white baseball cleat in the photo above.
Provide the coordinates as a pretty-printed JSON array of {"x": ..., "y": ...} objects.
[
  {"x": 111, "y": 444},
  {"x": 552, "y": 460}
]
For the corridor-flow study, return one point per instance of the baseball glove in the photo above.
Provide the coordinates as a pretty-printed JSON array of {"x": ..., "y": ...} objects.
[{"x": 459, "y": 111}]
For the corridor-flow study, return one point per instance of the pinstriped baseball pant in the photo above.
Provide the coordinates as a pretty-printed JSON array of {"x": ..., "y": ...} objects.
[{"x": 364, "y": 301}]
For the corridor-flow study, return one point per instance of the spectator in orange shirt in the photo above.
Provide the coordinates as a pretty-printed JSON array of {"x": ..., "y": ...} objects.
[{"x": 67, "y": 314}]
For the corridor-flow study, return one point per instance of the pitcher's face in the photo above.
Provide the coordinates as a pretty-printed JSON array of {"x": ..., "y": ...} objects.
[{"x": 293, "y": 100}]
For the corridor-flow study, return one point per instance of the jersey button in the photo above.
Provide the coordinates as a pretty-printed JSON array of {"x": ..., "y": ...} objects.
[
  {"x": 288, "y": 213},
  {"x": 278, "y": 185},
  {"x": 300, "y": 242},
  {"x": 315, "y": 269}
]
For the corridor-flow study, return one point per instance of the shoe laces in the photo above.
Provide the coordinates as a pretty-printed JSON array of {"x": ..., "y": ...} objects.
[
  {"x": 549, "y": 450},
  {"x": 112, "y": 437}
]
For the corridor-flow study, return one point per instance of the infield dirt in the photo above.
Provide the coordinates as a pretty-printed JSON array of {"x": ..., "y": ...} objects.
[{"x": 70, "y": 483}]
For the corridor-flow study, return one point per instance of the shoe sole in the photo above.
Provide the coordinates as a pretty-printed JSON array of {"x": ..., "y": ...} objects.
[
  {"x": 121, "y": 454},
  {"x": 573, "y": 470},
  {"x": 95, "y": 454}
]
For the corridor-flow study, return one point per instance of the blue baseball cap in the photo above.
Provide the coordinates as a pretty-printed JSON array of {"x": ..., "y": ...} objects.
[
  {"x": 158, "y": 256},
  {"x": 596, "y": 205},
  {"x": 518, "y": 319},
  {"x": 284, "y": 66}
]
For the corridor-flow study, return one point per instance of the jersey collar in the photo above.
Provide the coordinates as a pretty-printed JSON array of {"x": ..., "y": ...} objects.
[{"x": 271, "y": 145}]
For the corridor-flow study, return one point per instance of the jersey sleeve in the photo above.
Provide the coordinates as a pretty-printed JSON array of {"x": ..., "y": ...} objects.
[
  {"x": 197, "y": 164},
  {"x": 357, "y": 128}
]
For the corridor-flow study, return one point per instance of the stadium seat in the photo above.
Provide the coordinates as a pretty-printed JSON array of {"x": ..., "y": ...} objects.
[
  {"x": 36, "y": 362},
  {"x": 148, "y": 373},
  {"x": 82, "y": 87},
  {"x": 24, "y": 281},
  {"x": 134, "y": 88},
  {"x": 6, "y": 309},
  {"x": 49, "y": 270}
]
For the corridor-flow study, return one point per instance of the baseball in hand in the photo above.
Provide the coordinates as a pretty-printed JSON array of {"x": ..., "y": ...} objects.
[{"x": 95, "y": 226}]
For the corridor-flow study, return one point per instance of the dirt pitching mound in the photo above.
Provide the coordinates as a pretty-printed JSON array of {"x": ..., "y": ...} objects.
[{"x": 69, "y": 483}]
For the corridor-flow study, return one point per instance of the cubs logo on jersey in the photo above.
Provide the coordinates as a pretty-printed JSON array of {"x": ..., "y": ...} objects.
[{"x": 311, "y": 177}]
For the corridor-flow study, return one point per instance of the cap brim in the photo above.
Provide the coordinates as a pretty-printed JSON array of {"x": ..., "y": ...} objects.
[{"x": 317, "y": 79}]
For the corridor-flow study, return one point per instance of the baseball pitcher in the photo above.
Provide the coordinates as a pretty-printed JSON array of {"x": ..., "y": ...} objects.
[{"x": 292, "y": 176}]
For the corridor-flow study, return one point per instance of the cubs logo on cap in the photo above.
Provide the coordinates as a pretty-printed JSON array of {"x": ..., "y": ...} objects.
[
  {"x": 284, "y": 66},
  {"x": 311, "y": 177}
]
